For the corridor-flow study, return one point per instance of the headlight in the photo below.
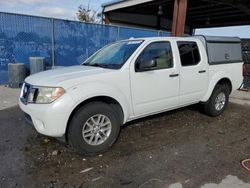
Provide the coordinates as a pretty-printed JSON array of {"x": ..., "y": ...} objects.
[{"x": 45, "y": 95}]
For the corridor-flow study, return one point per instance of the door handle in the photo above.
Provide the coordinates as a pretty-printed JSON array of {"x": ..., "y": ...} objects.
[
  {"x": 202, "y": 71},
  {"x": 173, "y": 75}
]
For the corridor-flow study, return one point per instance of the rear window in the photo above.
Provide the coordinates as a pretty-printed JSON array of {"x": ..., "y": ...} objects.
[{"x": 189, "y": 53}]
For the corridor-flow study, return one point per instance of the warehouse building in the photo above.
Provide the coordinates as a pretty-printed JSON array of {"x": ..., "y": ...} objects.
[{"x": 177, "y": 16}]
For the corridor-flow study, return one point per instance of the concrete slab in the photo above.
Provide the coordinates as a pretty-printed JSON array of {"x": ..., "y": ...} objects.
[
  {"x": 244, "y": 95},
  {"x": 228, "y": 182},
  {"x": 240, "y": 97},
  {"x": 8, "y": 97}
]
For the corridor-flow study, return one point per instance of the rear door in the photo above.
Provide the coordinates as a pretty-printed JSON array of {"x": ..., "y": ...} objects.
[
  {"x": 156, "y": 89},
  {"x": 193, "y": 71}
]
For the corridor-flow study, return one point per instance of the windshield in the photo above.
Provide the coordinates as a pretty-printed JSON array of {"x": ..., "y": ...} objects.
[{"x": 113, "y": 56}]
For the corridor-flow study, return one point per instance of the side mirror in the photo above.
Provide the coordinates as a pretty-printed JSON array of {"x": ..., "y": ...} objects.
[{"x": 147, "y": 65}]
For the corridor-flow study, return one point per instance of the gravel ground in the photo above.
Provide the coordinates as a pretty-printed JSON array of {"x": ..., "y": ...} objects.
[{"x": 181, "y": 148}]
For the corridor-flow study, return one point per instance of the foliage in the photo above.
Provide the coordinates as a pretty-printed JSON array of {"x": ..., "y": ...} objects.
[{"x": 85, "y": 14}]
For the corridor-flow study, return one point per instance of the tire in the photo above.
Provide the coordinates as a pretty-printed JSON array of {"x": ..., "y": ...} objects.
[
  {"x": 218, "y": 101},
  {"x": 86, "y": 135}
]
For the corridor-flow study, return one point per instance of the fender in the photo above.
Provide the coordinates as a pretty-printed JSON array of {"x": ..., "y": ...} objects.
[
  {"x": 213, "y": 81},
  {"x": 83, "y": 92}
]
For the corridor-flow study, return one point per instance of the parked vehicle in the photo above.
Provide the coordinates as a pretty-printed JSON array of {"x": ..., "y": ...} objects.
[{"x": 130, "y": 79}]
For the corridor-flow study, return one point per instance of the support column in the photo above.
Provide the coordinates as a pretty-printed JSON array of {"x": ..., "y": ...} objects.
[
  {"x": 179, "y": 17},
  {"x": 106, "y": 19}
]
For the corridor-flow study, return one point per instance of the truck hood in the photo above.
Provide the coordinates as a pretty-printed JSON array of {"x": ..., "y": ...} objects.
[{"x": 56, "y": 77}]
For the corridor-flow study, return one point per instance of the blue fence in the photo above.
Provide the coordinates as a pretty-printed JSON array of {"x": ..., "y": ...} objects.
[{"x": 61, "y": 42}]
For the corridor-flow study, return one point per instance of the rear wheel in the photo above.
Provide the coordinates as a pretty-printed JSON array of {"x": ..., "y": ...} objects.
[
  {"x": 93, "y": 128},
  {"x": 218, "y": 101}
]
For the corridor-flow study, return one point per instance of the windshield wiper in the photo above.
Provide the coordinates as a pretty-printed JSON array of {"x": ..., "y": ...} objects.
[
  {"x": 109, "y": 66},
  {"x": 95, "y": 65}
]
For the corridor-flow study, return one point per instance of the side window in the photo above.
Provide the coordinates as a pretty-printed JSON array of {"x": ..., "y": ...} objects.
[
  {"x": 160, "y": 52},
  {"x": 189, "y": 53}
]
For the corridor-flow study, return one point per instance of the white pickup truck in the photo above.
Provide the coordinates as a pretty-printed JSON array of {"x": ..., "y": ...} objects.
[{"x": 130, "y": 79}]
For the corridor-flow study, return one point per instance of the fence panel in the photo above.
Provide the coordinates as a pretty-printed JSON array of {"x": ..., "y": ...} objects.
[
  {"x": 126, "y": 33},
  {"x": 22, "y": 37},
  {"x": 75, "y": 41},
  {"x": 164, "y": 34},
  {"x": 246, "y": 58}
]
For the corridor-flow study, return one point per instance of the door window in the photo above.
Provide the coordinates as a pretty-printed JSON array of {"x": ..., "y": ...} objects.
[
  {"x": 189, "y": 53},
  {"x": 160, "y": 52}
]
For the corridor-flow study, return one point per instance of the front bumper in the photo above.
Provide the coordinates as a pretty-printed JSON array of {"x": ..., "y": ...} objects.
[{"x": 50, "y": 119}]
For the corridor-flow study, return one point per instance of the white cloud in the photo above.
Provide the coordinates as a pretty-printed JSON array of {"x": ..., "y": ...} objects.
[
  {"x": 65, "y": 9},
  {"x": 56, "y": 12},
  {"x": 21, "y": 2}
]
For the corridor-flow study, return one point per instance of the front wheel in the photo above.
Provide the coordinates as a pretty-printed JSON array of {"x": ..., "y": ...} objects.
[
  {"x": 218, "y": 101},
  {"x": 93, "y": 128}
]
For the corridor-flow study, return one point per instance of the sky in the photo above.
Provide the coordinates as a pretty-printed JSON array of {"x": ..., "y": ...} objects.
[
  {"x": 237, "y": 31},
  {"x": 66, "y": 9}
]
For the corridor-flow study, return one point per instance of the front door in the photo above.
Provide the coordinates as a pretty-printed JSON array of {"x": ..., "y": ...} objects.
[{"x": 157, "y": 88}]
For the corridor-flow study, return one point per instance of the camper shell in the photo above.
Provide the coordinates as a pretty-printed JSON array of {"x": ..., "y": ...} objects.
[{"x": 221, "y": 50}]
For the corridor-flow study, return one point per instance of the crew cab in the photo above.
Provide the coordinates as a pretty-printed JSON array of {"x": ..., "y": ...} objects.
[{"x": 130, "y": 79}]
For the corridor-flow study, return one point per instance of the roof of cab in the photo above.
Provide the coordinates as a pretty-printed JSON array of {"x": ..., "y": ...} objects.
[
  {"x": 195, "y": 37},
  {"x": 160, "y": 38}
]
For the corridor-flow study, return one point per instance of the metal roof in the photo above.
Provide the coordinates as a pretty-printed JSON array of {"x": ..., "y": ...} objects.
[
  {"x": 200, "y": 13},
  {"x": 118, "y": 4},
  {"x": 112, "y": 2}
]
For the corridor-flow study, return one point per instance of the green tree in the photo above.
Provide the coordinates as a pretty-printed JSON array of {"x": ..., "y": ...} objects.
[{"x": 85, "y": 14}]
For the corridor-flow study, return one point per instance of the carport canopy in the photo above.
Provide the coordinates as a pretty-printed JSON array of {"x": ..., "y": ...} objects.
[{"x": 178, "y": 16}]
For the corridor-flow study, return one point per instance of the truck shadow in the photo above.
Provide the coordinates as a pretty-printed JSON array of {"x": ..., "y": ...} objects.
[{"x": 196, "y": 108}]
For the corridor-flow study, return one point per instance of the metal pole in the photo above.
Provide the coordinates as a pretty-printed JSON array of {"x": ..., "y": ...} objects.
[
  {"x": 179, "y": 17},
  {"x": 118, "y": 32},
  {"x": 102, "y": 15},
  {"x": 53, "y": 42}
]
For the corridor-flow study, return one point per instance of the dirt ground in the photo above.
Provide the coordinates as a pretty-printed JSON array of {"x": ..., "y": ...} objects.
[{"x": 182, "y": 148}]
